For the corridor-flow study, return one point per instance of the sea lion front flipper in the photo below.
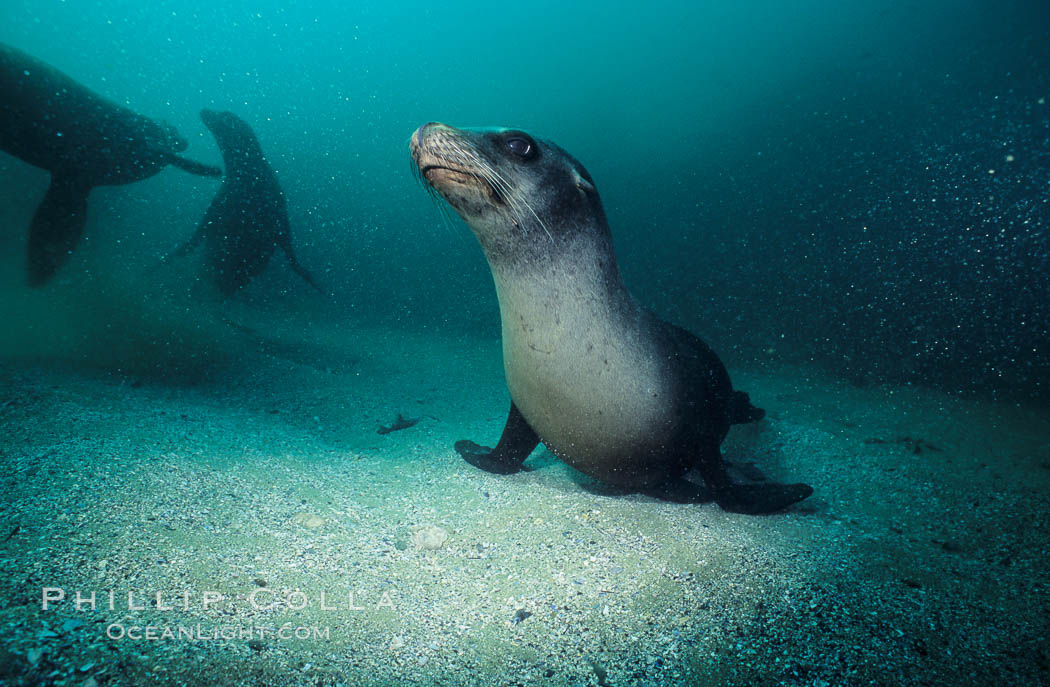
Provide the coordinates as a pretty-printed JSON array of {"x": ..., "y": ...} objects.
[
  {"x": 515, "y": 445},
  {"x": 194, "y": 167},
  {"x": 57, "y": 226}
]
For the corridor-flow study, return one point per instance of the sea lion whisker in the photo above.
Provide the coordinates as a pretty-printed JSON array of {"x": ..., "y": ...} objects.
[
  {"x": 502, "y": 188},
  {"x": 439, "y": 201},
  {"x": 485, "y": 166},
  {"x": 442, "y": 205},
  {"x": 511, "y": 198},
  {"x": 416, "y": 174},
  {"x": 473, "y": 159},
  {"x": 514, "y": 200},
  {"x": 540, "y": 221},
  {"x": 446, "y": 214}
]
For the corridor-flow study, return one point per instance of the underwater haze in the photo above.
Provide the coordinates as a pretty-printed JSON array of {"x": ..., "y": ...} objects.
[
  {"x": 849, "y": 201},
  {"x": 863, "y": 187}
]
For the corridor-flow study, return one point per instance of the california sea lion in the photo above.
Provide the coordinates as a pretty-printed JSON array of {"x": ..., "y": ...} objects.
[
  {"x": 608, "y": 387},
  {"x": 248, "y": 218},
  {"x": 84, "y": 140}
]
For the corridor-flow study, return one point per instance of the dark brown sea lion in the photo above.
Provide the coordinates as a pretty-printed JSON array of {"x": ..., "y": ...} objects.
[
  {"x": 49, "y": 120},
  {"x": 247, "y": 220}
]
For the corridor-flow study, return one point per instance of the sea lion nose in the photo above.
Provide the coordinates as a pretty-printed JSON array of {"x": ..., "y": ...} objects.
[
  {"x": 417, "y": 136},
  {"x": 431, "y": 126}
]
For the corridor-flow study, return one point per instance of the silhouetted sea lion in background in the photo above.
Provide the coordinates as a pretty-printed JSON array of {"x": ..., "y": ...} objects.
[
  {"x": 84, "y": 140},
  {"x": 248, "y": 218},
  {"x": 609, "y": 388}
]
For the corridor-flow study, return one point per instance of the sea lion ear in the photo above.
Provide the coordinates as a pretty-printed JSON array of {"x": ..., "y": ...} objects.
[{"x": 582, "y": 183}]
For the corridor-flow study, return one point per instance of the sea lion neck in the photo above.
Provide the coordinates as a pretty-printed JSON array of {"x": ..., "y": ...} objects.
[{"x": 547, "y": 287}]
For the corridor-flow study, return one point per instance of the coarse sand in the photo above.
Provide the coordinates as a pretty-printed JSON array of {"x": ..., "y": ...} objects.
[{"x": 268, "y": 534}]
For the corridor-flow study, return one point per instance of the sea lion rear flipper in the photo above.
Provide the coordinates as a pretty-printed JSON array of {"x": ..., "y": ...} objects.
[
  {"x": 187, "y": 248},
  {"x": 515, "y": 445},
  {"x": 679, "y": 491},
  {"x": 760, "y": 499},
  {"x": 284, "y": 240},
  {"x": 57, "y": 227},
  {"x": 752, "y": 499},
  {"x": 741, "y": 410},
  {"x": 301, "y": 271},
  {"x": 194, "y": 167}
]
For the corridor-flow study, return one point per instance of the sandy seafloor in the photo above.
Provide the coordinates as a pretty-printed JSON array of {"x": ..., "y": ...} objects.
[{"x": 905, "y": 567}]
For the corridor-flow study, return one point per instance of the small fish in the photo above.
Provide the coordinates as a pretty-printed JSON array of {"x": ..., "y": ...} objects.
[
  {"x": 399, "y": 423},
  {"x": 914, "y": 445}
]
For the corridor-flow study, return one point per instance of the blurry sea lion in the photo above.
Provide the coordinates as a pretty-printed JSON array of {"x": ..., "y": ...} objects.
[
  {"x": 609, "y": 388},
  {"x": 248, "y": 218},
  {"x": 50, "y": 121}
]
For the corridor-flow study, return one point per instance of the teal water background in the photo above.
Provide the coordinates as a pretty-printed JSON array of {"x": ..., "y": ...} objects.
[{"x": 860, "y": 185}]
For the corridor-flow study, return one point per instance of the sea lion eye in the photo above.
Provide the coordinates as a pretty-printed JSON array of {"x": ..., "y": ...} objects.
[{"x": 522, "y": 147}]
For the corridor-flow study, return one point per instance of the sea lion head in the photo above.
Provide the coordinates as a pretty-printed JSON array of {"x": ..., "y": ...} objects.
[
  {"x": 234, "y": 136},
  {"x": 518, "y": 193}
]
